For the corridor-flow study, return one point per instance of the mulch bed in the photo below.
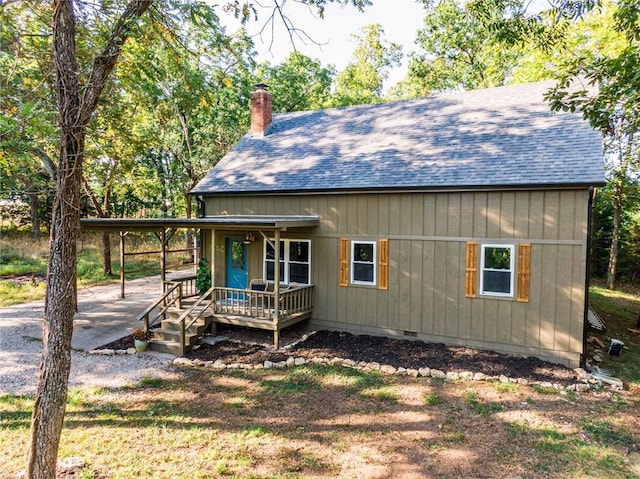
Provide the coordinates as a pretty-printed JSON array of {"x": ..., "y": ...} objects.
[{"x": 396, "y": 352}]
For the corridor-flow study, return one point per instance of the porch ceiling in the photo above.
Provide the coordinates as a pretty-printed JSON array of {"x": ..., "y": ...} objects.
[{"x": 240, "y": 222}]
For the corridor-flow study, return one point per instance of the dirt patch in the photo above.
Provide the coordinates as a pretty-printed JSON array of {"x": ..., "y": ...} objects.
[{"x": 20, "y": 280}]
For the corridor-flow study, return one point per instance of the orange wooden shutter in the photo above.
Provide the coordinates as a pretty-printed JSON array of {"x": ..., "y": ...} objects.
[
  {"x": 524, "y": 271},
  {"x": 344, "y": 261},
  {"x": 471, "y": 272},
  {"x": 383, "y": 264}
]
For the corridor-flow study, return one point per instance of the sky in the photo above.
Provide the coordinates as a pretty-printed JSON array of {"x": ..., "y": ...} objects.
[{"x": 400, "y": 20}]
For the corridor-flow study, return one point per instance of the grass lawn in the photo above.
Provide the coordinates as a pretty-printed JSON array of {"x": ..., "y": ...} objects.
[
  {"x": 332, "y": 422},
  {"x": 619, "y": 310}
]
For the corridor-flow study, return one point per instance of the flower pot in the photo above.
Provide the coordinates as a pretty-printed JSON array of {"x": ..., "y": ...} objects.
[{"x": 141, "y": 346}]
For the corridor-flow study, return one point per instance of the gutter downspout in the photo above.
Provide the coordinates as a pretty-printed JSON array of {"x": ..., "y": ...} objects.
[{"x": 585, "y": 321}]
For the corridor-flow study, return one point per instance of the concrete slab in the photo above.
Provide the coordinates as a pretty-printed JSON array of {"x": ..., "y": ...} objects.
[{"x": 109, "y": 321}]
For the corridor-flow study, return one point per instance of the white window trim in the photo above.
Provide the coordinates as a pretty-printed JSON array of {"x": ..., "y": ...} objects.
[
  {"x": 374, "y": 262},
  {"x": 511, "y": 270},
  {"x": 284, "y": 273}
]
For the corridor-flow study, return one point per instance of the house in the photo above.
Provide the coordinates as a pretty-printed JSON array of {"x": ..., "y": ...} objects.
[{"x": 460, "y": 218}]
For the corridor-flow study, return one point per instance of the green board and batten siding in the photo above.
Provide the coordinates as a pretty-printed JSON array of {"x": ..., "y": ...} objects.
[{"x": 427, "y": 235}]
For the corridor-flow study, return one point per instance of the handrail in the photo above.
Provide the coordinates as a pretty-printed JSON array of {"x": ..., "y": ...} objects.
[
  {"x": 187, "y": 314},
  {"x": 145, "y": 314}
]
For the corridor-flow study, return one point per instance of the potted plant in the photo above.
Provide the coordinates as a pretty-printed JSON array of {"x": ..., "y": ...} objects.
[{"x": 140, "y": 339}]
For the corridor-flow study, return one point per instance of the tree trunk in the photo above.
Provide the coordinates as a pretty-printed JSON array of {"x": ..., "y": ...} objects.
[
  {"x": 51, "y": 394},
  {"x": 615, "y": 235},
  {"x": 35, "y": 218},
  {"x": 106, "y": 253}
]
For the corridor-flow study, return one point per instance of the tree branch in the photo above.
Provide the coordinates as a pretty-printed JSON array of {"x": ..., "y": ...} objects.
[{"x": 105, "y": 62}]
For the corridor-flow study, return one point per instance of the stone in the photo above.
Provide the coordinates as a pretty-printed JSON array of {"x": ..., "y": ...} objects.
[
  {"x": 299, "y": 361},
  {"x": 182, "y": 361},
  {"x": 401, "y": 371},
  {"x": 268, "y": 364},
  {"x": 581, "y": 387},
  {"x": 131, "y": 351},
  {"x": 453, "y": 376},
  {"x": 424, "y": 372},
  {"x": 70, "y": 464},
  {"x": 436, "y": 373},
  {"x": 387, "y": 369},
  {"x": 103, "y": 352},
  {"x": 581, "y": 373},
  {"x": 479, "y": 377},
  {"x": 523, "y": 382},
  {"x": 317, "y": 360},
  {"x": 413, "y": 373},
  {"x": 336, "y": 362},
  {"x": 198, "y": 363},
  {"x": 121, "y": 352},
  {"x": 349, "y": 362},
  {"x": 290, "y": 361},
  {"x": 362, "y": 364},
  {"x": 466, "y": 375},
  {"x": 503, "y": 379},
  {"x": 374, "y": 366},
  {"x": 597, "y": 358},
  {"x": 233, "y": 366}
]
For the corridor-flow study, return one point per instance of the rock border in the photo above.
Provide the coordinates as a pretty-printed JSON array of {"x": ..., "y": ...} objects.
[{"x": 585, "y": 383}]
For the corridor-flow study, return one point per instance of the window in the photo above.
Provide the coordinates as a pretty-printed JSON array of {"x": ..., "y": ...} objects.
[
  {"x": 295, "y": 261},
  {"x": 363, "y": 262},
  {"x": 496, "y": 263}
]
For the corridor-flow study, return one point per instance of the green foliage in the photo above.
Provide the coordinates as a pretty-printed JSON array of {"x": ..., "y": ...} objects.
[
  {"x": 203, "y": 276},
  {"x": 484, "y": 409},
  {"x": 300, "y": 83},
  {"x": 497, "y": 258},
  {"x": 458, "y": 50},
  {"x": 629, "y": 253},
  {"x": 606, "y": 433},
  {"x": 362, "y": 80},
  {"x": 431, "y": 399}
]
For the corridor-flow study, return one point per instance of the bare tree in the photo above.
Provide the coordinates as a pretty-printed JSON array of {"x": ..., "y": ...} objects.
[{"x": 75, "y": 106}]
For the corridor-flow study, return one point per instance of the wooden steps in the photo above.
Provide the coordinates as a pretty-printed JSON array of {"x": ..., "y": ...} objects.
[{"x": 166, "y": 338}]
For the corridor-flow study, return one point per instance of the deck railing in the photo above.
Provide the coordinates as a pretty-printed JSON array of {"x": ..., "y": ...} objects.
[{"x": 262, "y": 304}]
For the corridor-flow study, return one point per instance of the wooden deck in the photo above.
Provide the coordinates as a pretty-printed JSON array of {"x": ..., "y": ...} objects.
[{"x": 180, "y": 317}]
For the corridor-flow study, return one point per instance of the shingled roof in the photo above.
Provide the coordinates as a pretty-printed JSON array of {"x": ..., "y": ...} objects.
[{"x": 497, "y": 137}]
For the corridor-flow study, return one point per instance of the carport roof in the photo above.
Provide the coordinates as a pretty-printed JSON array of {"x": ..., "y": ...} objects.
[{"x": 263, "y": 222}]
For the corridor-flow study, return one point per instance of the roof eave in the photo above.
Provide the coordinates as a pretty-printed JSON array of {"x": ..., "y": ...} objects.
[{"x": 405, "y": 189}]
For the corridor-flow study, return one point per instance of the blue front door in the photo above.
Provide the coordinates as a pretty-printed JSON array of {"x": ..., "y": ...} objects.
[{"x": 237, "y": 273}]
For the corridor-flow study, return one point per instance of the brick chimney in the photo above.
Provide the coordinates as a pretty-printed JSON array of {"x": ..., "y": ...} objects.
[{"x": 261, "y": 101}]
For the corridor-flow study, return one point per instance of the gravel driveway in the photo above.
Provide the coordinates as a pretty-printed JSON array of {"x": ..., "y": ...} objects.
[{"x": 21, "y": 346}]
